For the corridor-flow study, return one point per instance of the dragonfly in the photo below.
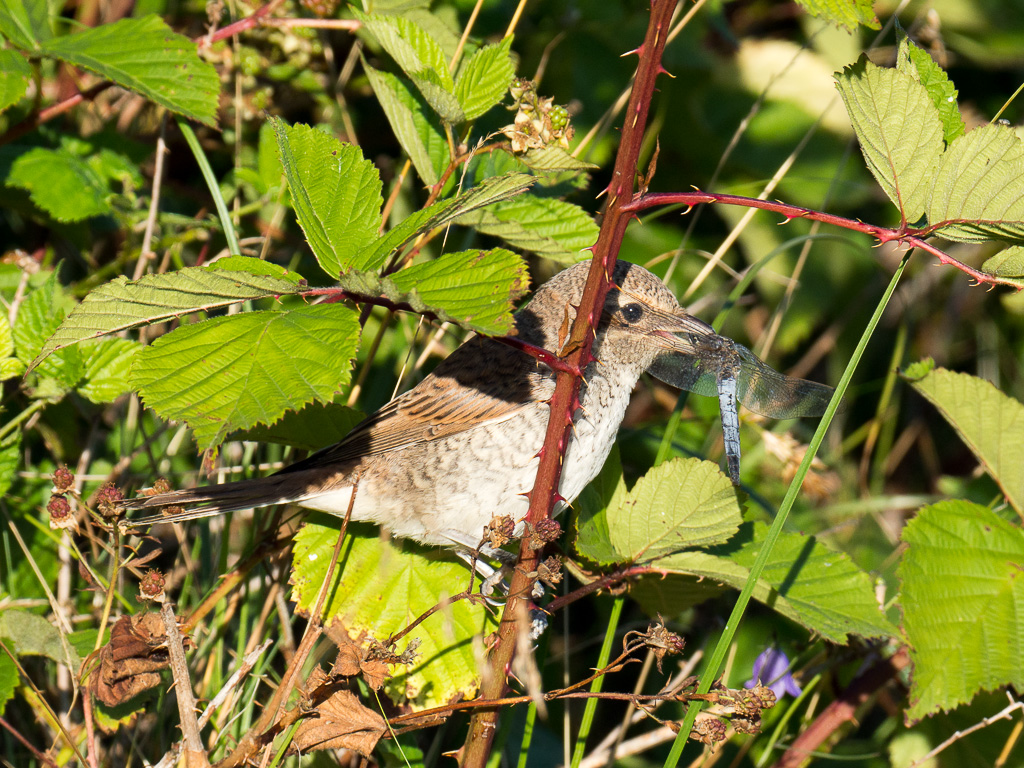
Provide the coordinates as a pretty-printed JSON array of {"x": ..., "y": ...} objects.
[{"x": 711, "y": 365}]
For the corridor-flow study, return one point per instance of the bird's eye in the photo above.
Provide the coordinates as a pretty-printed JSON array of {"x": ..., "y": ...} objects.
[{"x": 632, "y": 313}]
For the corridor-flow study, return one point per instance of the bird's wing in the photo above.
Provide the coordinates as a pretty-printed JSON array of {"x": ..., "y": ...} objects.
[{"x": 483, "y": 382}]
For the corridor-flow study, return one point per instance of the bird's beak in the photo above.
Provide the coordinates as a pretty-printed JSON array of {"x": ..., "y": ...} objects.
[{"x": 675, "y": 330}]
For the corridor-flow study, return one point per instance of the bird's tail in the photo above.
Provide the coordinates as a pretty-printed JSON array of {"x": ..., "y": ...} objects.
[{"x": 213, "y": 500}]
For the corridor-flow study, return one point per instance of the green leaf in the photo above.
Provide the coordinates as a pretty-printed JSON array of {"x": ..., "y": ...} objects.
[
  {"x": 989, "y": 422},
  {"x": 843, "y": 13},
  {"x": 122, "y": 304},
  {"x": 1008, "y": 264},
  {"x": 10, "y": 366},
  {"x": 335, "y": 193},
  {"x": 919, "y": 64},
  {"x": 61, "y": 183},
  {"x": 380, "y": 586},
  {"x": 414, "y": 127},
  {"x": 420, "y": 57},
  {"x": 256, "y": 267},
  {"x": 14, "y": 76},
  {"x": 310, "y": 429},
  {"x": 545, "y": 226},
  {"x": 961, "y": 595},
  {"x": 27, "y": 634},
  {"x": 10, "y": 456},
  {"x": 977, "y": 193},
  {"x": 233, "y": 372},
  {"x": 440, "y": 214},
  {"x": 678, "y": 505},
  {"x": 899, "y": 131},
  {"x": 476, "y": 289},
  {"x": 25, "y": 23},
  {"x": 146, "y": 56},
  {"x": 554, "y": 159},
  {"x": 485, "y": 78},
  {"x": 107, "y": 364},
  {"x": 825, "y": 590},
  {"x": 38, "y": 318},
  {"x": 8, "y": 681}
]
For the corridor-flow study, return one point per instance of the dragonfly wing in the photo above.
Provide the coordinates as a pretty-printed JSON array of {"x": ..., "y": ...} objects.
[
  {"x": 685, "y": 371},
  {"x": 770, "y": 393}
]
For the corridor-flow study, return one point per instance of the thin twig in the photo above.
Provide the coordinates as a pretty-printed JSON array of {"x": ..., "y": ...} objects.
[{"x": 194, "y": 752}]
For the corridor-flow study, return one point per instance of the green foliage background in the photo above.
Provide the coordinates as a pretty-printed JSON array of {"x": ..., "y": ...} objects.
[{"x": 752, "y": 104}]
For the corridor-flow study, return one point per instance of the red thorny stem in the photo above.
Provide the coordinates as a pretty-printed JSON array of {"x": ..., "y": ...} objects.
[{"x": 565, "y": 400}]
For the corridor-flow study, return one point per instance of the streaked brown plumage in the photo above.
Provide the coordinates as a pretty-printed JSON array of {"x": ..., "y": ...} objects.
[{"x": 438, "y": 462}]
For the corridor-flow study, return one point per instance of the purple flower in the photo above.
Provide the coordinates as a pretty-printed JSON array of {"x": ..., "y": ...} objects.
[{"x": 771, "y": 668}]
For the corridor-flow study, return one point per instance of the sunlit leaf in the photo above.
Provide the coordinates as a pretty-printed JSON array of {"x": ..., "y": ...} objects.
[
  {"x": 14, "y": 76},
  {"x": 382, "y": 585},
  {"x": 485, "y": 78},
  {"x": 1008, "y": 264},
  {"x": 961, "y": 594},
  {"x": 122, "y": 304},
  {"x": 678, "y": 505},
  {"x": 919, "y": 64},
  {"x": 978, "y": 189},
  {"x": 843, "y": 13},
  {"x": 899, "y": 131},
  {"x": 476, "y": 289},
  {"x": 989, "y": 422},
  {"x": 440, "y": 214},
  {"x": 551, "y": 228},
  {"x": 231, "y": 373},
  {"x": 335, "y": 192},
  {"x": 25, "y": 22},
  {"x": 420, "y": 58},
  {"x": 310, "y": 429},
  {"x": 107, "y": 364},
  {"x": 146, "y": 56},
  {"x": 413, "y": 125},
  {"x": 61, "y": 183}
]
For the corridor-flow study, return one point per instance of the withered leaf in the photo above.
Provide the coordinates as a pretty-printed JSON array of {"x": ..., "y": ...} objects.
[{"x": 340, "y": 722}]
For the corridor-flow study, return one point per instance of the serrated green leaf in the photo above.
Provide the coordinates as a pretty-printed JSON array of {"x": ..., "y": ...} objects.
[
  {"x": 977, "y": 190},
  {"x": 256, "y": 267},
  {"x": 485, "y": 78},
  {"x": 379, "y": 588},
  {"x": 107, "y": 364},
  {"x": 6, "y": 337},
  {"x": 828, "y": 593},
  {"x": 919, "y": 64},
  {"x": 420, "y": 58},
  {"x": 25, "y": 22},
  {"x": 899, "y": 131},
  {"x": 441, "y": 214},
  {"x": 414, "y": 128},
  {"x": 848, "y": 14},
  {"x": 678, "y": 505},
  {"x": 61, "y": 183},
  {"x": 122, "y": 304},
  {"x": 545, "y": 226},
  {"x": 10, "y": 455},
  {"x": 8, "y": 681},
  {"x": 961, "y": 594},
  {"x": 1008, "y": 264},
  {"x": 310, "y": 429},
  {"x": 335, "y": 192},
  {"x": 146, "y": 56},
  {"x": 268, "y": 164},
  {"x": 28, "y": 634},
  {"x": 14, "y": 76},
  {"x": 476, "y": 289},
  {"x": 38, "y": 318},
  {"x": 231, "y": 373},
  {"x": 989, "y": 422},
  {"x": 554, "y": 159}
]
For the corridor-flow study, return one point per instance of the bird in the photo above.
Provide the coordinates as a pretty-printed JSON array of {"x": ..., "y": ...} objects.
[{"x": 438, "y": 462}]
